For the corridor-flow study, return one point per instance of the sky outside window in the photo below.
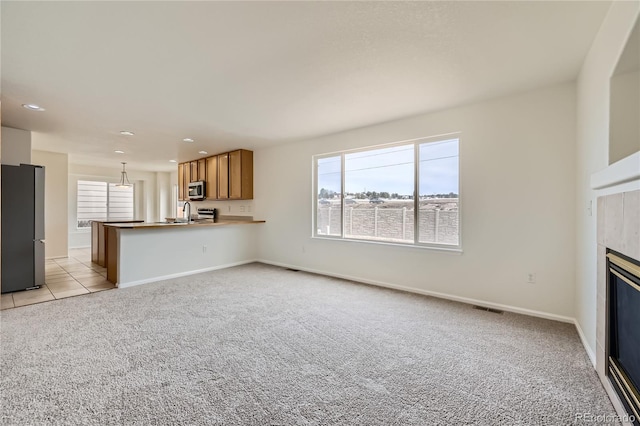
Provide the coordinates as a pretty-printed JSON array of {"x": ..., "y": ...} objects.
[
  {"x": 380, "y": 170},
  {"x": 439, "y": 167},
  {"x": 329, "y": 174},
  {"x": 392, "y": 170}
]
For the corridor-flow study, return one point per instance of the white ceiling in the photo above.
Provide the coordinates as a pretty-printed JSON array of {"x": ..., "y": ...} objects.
[{"x": 250, "y": 74}]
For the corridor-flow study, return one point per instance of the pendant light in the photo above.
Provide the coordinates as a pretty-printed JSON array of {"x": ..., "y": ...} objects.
[{"x": 123, "y": 178}]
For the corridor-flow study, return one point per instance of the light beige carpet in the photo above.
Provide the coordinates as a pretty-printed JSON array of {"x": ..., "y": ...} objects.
[{"x": 262, "y": 345}]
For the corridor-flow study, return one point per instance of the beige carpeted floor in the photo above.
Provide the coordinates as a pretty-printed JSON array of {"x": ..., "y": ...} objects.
[{"x": 262, "y": 345}]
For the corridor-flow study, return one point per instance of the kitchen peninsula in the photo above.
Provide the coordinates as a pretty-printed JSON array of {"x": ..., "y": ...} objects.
[
  {"x": 146, "y": 252},
  {"x": 99, "y": 239}
]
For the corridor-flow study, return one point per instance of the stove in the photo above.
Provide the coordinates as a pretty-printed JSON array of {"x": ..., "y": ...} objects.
[{"x": 204, "y": 213}]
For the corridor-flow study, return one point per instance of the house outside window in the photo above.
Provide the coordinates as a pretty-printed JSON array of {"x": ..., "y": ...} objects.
[
  {"x": 370, "y": 194},
  {"x": 103, "y": 201}
]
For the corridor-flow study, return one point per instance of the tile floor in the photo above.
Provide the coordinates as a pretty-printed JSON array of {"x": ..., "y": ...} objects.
[{"x": 71, "y": 276}]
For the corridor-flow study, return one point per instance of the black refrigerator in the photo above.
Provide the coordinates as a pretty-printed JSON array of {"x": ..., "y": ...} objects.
[{"x": 22, "y": 227}]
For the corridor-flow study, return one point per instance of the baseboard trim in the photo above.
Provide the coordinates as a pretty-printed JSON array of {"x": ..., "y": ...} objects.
[
  {"x": 470, "y": 301},
  {"x": 183, "y": 274},
  {"x": 583, "y": 339}
]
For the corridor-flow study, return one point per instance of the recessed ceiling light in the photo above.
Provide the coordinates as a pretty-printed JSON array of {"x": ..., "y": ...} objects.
[
  {"x": 172, "y": 161},
  {"x": 117, "y": 151},
  {"x": 126, "y": 133},
  {"x": 202, "y": 152},
  {"x": 187, "y": 140},
  {"x": 33, "y": 107}
]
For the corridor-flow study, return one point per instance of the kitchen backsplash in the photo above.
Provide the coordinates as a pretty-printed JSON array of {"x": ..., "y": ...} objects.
[{"x": 225, "y": 208}]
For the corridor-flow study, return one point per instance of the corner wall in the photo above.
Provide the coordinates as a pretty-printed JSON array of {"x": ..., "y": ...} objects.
[
  {"x": 517, "y": 197},
  {"x": 592, "y": 151},
  {"x": 16, "y": 148},
  {"x": 55, "y": 201}
]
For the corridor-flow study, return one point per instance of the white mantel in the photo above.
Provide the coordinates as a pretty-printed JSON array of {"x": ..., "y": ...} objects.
[{"x": 621, "y": 176}]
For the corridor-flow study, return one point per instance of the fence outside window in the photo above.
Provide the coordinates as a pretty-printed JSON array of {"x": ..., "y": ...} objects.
[{"x": 392, "y": 224}]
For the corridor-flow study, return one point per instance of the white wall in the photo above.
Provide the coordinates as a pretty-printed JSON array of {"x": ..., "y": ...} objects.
[
  {"x": 517, "y": 188},
  {"x": 16, "y": 146},
  {"x": 163, "y": 189},
  {"x": 592, "y": 136},
  {"x": 173, "y": 211},
  {"x": 55, "y": 201},
  {"x": 146, "y": 205},
  {"x": 151, "y": 254},
  {"x": 624, "y": 129}
]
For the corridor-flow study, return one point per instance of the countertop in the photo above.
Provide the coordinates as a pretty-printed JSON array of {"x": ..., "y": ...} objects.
[
  {"x": 207, "y": 222},
  {"x": 117, "y": 221}
]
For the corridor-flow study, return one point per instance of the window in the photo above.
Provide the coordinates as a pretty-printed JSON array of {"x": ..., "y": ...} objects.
[
  {"x": 329, "y": 197},
  {"x": 103, "y": 201},
  {"x": 370, "y": 194}
]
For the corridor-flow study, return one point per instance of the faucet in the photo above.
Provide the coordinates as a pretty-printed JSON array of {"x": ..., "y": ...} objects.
[{"x": 184, "y": 209}]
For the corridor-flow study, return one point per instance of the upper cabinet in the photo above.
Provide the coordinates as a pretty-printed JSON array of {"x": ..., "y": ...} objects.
[
  {"x": 212, "y": 177},
  {"x": 241, "y": 175},
  {"x": 223, "y": 176},
  {"x": 181, "y": 193},
  {"x": 184, "y": 177},
  {"x": 193, "y": 165},
  {"x": 187, "y": 178},
  {"x": 202, "y": 169},
  {"x": 228, "y": 176}
]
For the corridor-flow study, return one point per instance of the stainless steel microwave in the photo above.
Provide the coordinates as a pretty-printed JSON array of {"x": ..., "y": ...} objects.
[{"x": 196, "y": 190}]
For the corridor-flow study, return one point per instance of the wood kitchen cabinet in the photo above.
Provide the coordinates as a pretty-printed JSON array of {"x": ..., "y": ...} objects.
[
  {"x": 212, "y": 177},
  {"x": 202, "y": 169},
  {"x": 184, "y": 177},
  {"x": 241, "y": 175},
  {"x": 187, "y": 179},
  {"x": 193, "y": 166},
  {"x": 100, "y": 242},
  {"x": 223, "y": 176},
  {"x": 228, "y": 176},
  {"x": 181, "y": 193},
  {"x": 191, "y": 171},
  {"x": 235, "y": 175}
]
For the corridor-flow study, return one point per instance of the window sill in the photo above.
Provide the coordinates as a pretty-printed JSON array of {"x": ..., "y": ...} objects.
[{"x": 453, "y": 250}]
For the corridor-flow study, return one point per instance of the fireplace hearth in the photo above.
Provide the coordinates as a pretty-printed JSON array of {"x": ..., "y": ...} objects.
[{"x": 623, "y": 330}]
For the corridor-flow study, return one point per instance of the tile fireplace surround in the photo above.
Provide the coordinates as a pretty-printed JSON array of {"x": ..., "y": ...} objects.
[{"x": 618, "y": 228}]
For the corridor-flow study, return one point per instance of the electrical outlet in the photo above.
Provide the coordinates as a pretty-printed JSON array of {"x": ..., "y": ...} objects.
[
  {"x": 242, "y": 209},
  {"x": 531, "y": 277},
  {"x": 249, "y": 208},
  {"x": 204, "y": 249}
]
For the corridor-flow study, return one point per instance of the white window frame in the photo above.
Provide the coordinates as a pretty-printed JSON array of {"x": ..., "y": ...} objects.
[
  {"x": 85, "y": 228},
  {"x": 416, "y": 196}
]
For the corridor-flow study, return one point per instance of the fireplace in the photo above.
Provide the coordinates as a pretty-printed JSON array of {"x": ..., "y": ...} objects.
[
  {"x": 618, "y": 235},
  {"x": 623, "y": 330}
]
